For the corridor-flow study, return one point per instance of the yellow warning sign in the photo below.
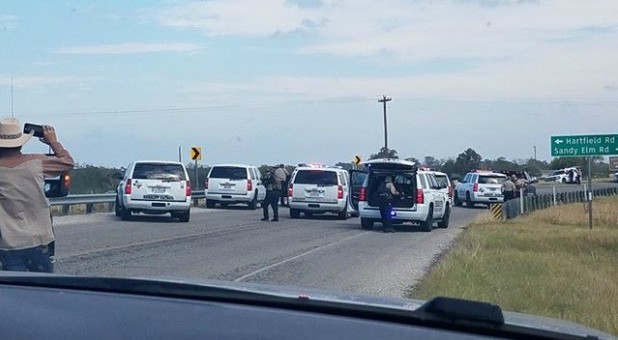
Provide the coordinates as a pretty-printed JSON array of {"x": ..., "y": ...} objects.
[{"x": 496, "y": 211}]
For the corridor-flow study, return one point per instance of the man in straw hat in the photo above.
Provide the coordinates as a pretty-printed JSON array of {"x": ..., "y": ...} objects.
[{"x": 25, "y": 221}]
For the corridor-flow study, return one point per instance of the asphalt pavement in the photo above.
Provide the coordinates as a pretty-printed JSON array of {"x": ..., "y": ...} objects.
[{"x": 234, "y": 245}]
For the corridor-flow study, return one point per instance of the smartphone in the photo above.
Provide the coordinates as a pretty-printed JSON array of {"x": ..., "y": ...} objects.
[{"x": 38, "y": 129}]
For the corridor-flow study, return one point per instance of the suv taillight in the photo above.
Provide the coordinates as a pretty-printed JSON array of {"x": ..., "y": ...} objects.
[
  {"x": 476, "y": 187},
  {"x": 362, "y": 195},
  {"x": 206, "y": 184},
  {"x": 420, "y": 196},
  {"x": 127, "y": 187},
  {"x": 340, "y": 192},
  {"x": 291, "y": 191},
  {"x": 249, "y": 185},
  {"x": 188, "y": 189},
  {"x": 450, "y": 191}
]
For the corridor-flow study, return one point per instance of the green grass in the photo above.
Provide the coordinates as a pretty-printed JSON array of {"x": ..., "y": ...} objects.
[{"x": 548, "y": 263}]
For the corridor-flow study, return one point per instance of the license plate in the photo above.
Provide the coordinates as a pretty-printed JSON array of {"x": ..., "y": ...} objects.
[
  {"x": 158, "y": 190},
  {"x": 158, "y": 197},
  {"x": 314, "y": 194}
]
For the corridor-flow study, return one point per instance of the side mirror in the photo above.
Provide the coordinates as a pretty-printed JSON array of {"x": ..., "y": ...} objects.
[
  {"x": 57, "y": 186},
  {"x": 118, "y": 175}
]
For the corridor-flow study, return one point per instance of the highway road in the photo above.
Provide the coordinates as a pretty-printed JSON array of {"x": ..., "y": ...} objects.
[{"x": 234, "y": 245}]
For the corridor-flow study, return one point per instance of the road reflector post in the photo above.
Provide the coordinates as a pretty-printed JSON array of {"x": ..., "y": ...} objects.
[{"x": 496, "y": 211}]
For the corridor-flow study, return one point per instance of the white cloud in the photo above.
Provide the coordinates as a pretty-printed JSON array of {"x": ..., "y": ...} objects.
[
  {"x": 129, "y": 48},
  {"x": 409, "y": 29},
  {"x": 8, "y": 21},
  {"x": 521, "y": 50},
  {"x": 239, "y": 17}
]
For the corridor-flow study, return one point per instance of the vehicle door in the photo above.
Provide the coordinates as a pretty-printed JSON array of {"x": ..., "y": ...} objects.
[
  {"x": 460, "y": 189},
  {"x": 439, "y": 197},
  {"x": 316, "y": 185},
  {"x": 445, "y": 184},
  {"x": 159, "y": 182},
  {"x": 261, "y": 189},
  {"x": 230, "y": 180},
  {"x": 357, "y": 180}
]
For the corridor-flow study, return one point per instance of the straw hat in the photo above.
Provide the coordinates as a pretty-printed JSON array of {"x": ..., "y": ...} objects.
[{"x": 11, "y": 135}]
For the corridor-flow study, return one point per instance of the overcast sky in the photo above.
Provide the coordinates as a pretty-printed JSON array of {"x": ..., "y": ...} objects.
[{"x": 275, "y": 81}]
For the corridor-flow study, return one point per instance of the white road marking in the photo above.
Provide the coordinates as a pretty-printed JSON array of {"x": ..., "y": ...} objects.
[{"x": 263, "y": 269}]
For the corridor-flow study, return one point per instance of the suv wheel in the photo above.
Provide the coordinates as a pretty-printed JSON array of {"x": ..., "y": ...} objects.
[
  {"x": 366, "y": 223},
  {"x": 184, "y": 216},
  {"x": 125, "y": 214},
  {"x": 456, "y": 200},
  {"x": 343, "y": 215},
  {"x": 427, "y": 224},
  {"x": 446, "y": 218},
  {"x": 210, "y": 203},
  {"x": 469, "y": 202},
  {"x": 294, "y": 213},
  {"x": 117, "y": 210},
  {"x": 253, "y": 203}
]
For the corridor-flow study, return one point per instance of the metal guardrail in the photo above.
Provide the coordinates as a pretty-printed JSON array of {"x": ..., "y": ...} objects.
[
  {"x": 91, "y": 199},
  {"x": 517, "y": 206}
]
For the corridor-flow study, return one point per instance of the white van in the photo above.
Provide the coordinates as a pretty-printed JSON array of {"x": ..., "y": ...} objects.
[
  {"x": 154, "y": 187},
  {"x": 317, "y": 190},
  {"x": 234, "y": 183}
]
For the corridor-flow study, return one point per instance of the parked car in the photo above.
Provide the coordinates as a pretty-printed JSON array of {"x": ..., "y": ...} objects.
[
  {"x": 154, "y": 187},
  {"x": 421, "y": 200},
  {"x": 234, "y": 183},
  {"x": 318, "y": 190},
  {"x": 480, "y": 186}
]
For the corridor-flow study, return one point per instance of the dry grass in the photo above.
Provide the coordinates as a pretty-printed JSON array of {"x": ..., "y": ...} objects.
[{"x": 548, "y": 263}]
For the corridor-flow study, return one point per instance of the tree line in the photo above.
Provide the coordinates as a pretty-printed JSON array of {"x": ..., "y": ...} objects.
[{"x": 91, "y": 179}]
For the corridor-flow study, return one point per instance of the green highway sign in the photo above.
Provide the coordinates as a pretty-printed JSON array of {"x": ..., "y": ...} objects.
[{"x": 584, "y": 145}]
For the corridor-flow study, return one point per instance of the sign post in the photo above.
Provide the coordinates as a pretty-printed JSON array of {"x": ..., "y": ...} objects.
[
  {"x": 581, "y": 146},
  {"x": 196, "y": 155}
]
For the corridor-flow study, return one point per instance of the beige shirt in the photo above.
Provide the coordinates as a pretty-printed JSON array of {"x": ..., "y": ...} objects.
[{"x": 25, "y": 220}]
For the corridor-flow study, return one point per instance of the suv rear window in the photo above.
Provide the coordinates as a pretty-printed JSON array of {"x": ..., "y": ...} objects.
[
  {"x": 228, "y": 172},
  {"x": 485, "y": 179},
  {"x": 159, "y": 171},
  {"x": 442, "y": 180},
  {"x": 318, "y": 177}
]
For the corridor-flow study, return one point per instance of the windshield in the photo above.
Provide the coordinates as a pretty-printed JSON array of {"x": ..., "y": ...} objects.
[
  {"x": 158, "y": 171},
  {"x": 317, "y": 177},
  {"x": 294, "y": 142},
  {"x": 228, "y": 172}
]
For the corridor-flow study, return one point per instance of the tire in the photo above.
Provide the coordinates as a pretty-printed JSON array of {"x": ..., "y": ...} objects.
[
  {"x": 210, "y": 204},
  {"x": 184, "y": 216},
  {"x": 457, "y": 201},
  {"x": 294, "y": 213},
  {"x": 253, "y": 204},
  {"x": 427, "y": 224},
  {"x": 343, "y": 215},
  {"x": 446, "y": 219},
  {"x": 308, "y": 214},
  {"x": 125, "y": 214},
  {"x": 469, "y": 202},
  {"x": 564, "y": 180},
  {"x": 366, "y": 223},
  {"x": 117, "y": 210}
]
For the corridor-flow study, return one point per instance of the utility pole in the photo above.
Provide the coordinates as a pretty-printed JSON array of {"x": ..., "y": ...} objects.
[
  {"x": 535, "y": 153},
  {"x": 384, "y": 100}
]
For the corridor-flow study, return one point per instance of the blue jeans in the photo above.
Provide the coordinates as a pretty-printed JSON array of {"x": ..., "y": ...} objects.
[{"x": 35, "y": 259}]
